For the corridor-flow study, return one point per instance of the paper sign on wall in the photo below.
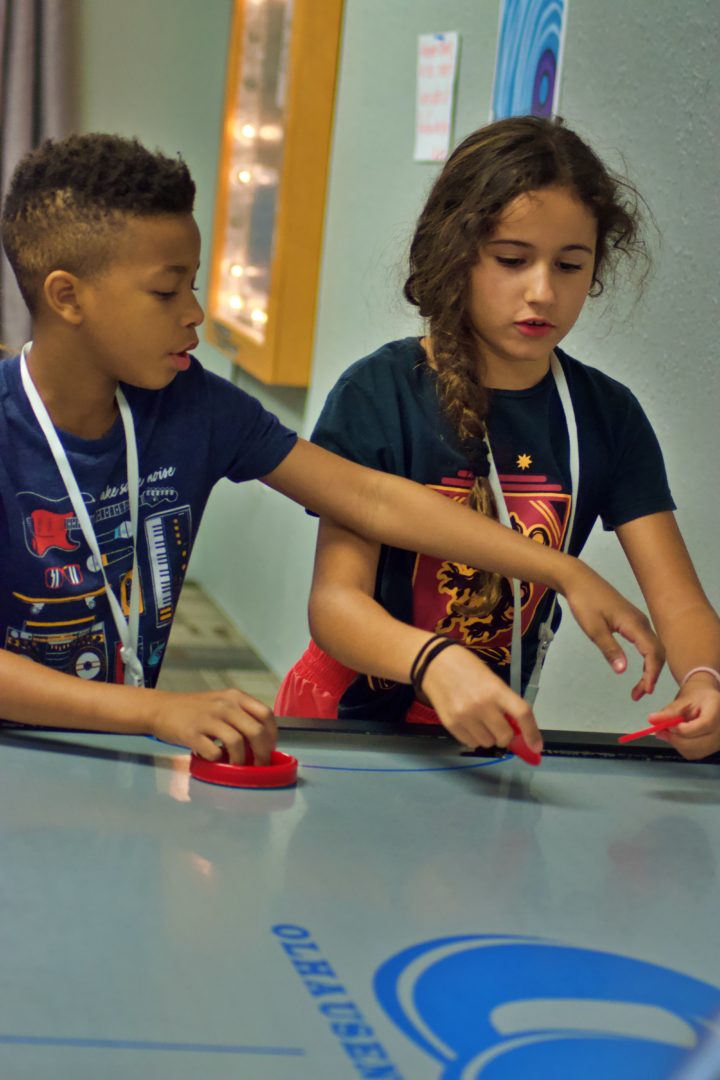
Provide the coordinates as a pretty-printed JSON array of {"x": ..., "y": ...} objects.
[{"x": 436, "y": 70}]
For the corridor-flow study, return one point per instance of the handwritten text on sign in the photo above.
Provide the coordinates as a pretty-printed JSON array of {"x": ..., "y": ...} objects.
[{"x": 437, "y": 65}]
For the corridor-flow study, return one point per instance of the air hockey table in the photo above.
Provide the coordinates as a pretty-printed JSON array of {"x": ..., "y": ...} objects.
[{"x": 406, "y": 911}]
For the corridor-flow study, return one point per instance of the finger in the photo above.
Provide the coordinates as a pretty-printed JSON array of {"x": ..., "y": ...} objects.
[
  {"x": 230, "y": 738},
  {"x": 689, "y": 711},
  {"x": 238, "y": 746},
  {"x": 260, "y": 712},
  {"x": 674, "y": 708},
  {"x": 609, "y": 647},
  {"x": 525, "y": 718},
  {"x": 473, "y": 735},
  {"x": 647, "y": 644},
  {"x": 258, "y": 739},
  {"x": 242, "y": 726},
  {"x": 697, "y": 728},
  {"x": 257, "y": 710},
  {"x": 205, "y": 747}
]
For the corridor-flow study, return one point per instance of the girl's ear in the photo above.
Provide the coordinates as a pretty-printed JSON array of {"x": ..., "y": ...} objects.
[{"x": 61, "y": 292}]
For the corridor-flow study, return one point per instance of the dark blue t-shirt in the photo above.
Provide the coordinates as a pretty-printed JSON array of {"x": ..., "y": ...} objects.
[
  {"x": 384, "y": 412},
  {"x": 53, "y": 606}
]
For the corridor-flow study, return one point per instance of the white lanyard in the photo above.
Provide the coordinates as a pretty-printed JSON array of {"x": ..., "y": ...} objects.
[
  {"x": 128, "y": 629},
  {"x": 545, "y": 633}
]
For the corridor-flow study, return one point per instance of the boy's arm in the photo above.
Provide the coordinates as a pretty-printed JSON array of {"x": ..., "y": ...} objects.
[
  {"x": 688, "y": 627},
  {"x": 391, "y": 510},
  {"x": 34, "y": 694},
  {"x": 347, "y": 621}
]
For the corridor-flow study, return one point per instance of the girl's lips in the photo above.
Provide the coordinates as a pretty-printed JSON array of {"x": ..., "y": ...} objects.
[{"x": 530, "y": 329}]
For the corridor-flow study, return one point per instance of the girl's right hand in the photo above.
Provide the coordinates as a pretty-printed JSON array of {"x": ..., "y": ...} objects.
[
  {"x": 601, "y": 611},
  {"x": 471, "y": 701},
  {"x": 229, "y": 716}
]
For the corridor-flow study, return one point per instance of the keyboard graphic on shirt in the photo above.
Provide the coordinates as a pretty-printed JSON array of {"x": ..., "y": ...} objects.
[{"x": 168, "y": 539}]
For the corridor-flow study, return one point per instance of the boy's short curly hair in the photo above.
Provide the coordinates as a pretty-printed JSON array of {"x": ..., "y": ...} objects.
[{"x": 68, "y": 198}]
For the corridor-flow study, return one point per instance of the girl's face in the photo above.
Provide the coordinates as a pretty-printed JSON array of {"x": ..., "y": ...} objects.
[{"x": 530, "y": 283}]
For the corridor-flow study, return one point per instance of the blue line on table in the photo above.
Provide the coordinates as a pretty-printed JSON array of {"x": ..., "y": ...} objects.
[{"x": 429, "y": 768}]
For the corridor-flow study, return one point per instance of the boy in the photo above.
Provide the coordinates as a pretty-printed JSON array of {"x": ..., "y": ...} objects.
[{"x": 111, "y": 439}]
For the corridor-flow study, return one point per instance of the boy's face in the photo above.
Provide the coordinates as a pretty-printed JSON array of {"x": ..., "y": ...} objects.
[{"x": 139, "y": 316}]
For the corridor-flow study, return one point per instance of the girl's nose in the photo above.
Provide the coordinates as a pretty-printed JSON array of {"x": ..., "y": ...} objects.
[{"x": 539, "y": 287}]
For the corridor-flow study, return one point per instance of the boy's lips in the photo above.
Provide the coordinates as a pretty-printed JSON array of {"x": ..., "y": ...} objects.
[{"x": 181, "y": 359}]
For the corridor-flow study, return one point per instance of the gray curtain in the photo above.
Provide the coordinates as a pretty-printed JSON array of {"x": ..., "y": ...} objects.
[{"x": 34, "y": 105}]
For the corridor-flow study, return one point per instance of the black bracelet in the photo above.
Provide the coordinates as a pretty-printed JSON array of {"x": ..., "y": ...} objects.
[
  {"x": 432, "y": 648},
  {"x": 421, "y": 652}
]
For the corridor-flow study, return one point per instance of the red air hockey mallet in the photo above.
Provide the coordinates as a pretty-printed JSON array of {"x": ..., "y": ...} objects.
[
  {"x": 657, "y": 725},
  {"x": 280, "y": 773},
  {"x": 518, "y": 746}
]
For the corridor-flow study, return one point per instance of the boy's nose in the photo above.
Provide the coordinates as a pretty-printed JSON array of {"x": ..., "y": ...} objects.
[{"x": 196, "y": 315}]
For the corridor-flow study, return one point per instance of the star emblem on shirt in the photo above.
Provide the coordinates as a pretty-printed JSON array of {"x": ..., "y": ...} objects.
[{"x": 524, "y": 461}]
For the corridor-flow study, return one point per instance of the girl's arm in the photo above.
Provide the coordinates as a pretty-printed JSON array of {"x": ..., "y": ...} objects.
[
  {"x": 352, "y": 626},
  {"x": 688, "y": 627},
  {"x": 391, "y": 510}
]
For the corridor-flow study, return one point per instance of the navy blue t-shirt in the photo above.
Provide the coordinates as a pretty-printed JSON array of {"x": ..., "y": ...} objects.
[
  {"x": 384, "y": 412},
  {"x": 53, "y": 606}
]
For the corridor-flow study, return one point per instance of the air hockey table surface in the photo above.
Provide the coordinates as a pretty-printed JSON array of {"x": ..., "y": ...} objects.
[{"x": 406, "y": 911}]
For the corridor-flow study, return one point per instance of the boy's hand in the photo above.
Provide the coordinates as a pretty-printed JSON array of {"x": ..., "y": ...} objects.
[
  {"x": 601, "y": 611},
  {"x": 699, "y": 701},
  {"x": 230, "y": 716},
  {"x": 471, "y": 702}
]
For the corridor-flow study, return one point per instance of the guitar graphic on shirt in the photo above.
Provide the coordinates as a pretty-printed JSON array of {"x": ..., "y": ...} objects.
[{"x": 48, "y": 528}]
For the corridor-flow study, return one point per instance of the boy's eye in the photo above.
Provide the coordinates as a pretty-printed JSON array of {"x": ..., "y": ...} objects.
[{"x": 164, "y": 295}]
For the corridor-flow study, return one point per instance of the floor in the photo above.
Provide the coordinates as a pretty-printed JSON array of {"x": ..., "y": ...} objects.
[{"x": 206, "y": 651}]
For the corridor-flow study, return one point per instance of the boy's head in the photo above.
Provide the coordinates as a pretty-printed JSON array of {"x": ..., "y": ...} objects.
[{"x": 69, "y": 199}]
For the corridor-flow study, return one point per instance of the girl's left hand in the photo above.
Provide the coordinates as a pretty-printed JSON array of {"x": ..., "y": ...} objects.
[{"x": 699, "y": 736}]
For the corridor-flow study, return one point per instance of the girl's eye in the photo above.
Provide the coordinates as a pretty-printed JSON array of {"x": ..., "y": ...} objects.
[
  {"x": 164, "y": 295},
  {"x": 569, "y": 267},
  {"x": 507, "y": 261}
]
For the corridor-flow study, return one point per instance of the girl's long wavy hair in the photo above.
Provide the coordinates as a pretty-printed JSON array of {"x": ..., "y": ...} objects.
[{"x": 489, "y": 169}]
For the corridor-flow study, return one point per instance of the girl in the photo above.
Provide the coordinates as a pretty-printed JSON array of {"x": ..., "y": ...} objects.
[{"x": 520, "y": 227}]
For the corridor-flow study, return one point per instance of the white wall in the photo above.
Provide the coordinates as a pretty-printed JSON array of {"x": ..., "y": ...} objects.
[{"x": 640, "y": 80}]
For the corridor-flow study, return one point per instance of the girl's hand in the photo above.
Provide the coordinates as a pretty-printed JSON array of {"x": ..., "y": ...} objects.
[
  {"x": 601, "y": 611},
  {"x": 230, "y": 716},
  {"x": 471, "y": 701},
  {"x": 699, "y": 702}
]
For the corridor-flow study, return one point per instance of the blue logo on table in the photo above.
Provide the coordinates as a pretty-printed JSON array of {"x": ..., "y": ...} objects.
[{"x": 504, "y": 1007}]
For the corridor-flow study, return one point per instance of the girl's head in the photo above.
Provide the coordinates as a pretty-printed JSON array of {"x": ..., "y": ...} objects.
[
  {"x": 486, "y": 172},
  {"x": 523, "y": 174}
]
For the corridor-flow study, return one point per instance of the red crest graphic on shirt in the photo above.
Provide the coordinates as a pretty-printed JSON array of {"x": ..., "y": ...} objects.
[{"x": 539, "y": 510}]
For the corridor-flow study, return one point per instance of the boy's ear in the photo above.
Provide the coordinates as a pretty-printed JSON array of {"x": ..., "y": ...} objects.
[{"x": 61, "y": 290}]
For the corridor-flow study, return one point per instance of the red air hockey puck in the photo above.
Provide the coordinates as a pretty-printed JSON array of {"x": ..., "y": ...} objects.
[{"x": 281, "y": 772}]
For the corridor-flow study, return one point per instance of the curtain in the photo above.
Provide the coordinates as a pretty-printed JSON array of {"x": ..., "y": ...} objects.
[{"x": 34, "y": 105}]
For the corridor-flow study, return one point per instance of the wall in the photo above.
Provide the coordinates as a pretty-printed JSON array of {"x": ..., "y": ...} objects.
[{"x": 640, "y": 81}]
